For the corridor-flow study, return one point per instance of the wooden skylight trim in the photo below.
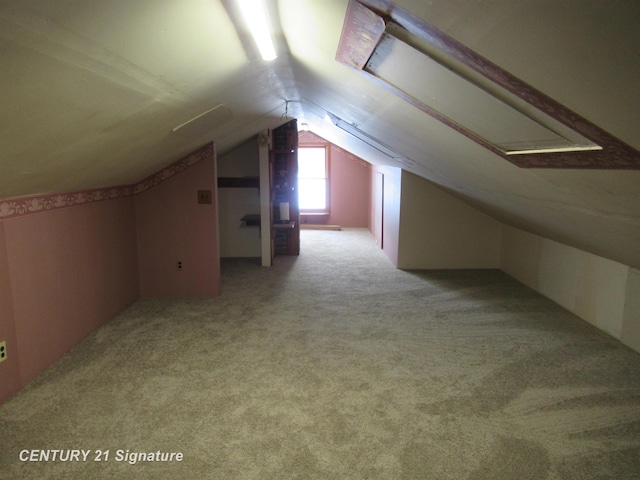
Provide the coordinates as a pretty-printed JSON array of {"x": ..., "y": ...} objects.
[{"x": 364, "y": 27}]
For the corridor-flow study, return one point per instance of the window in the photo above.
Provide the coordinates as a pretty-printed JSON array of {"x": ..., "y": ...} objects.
[{"x": 313, "y": 185}]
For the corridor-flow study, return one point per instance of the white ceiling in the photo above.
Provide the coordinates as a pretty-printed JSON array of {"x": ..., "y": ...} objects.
[{"x": 91, "y": 92}]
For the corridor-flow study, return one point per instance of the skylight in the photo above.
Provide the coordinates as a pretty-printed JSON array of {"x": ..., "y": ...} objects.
[
  {"x": 470, "y": 94},
  {"x": 464, "y": 103}
]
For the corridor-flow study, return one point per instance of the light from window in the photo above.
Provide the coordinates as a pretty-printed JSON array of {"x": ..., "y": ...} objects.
[{"x": 312, "y": 178}]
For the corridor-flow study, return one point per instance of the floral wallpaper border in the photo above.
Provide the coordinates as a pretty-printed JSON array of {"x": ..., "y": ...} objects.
[
  {"x": 21, "y": 206},
  {"x": 363, "y": 28}
]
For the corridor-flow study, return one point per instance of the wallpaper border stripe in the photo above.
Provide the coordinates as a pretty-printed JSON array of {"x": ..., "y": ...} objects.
[{"x": 32, "y": 204}]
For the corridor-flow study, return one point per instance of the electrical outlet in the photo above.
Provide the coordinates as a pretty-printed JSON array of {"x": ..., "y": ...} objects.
[
  {"x": 3, "y": 351},
  {"x": 179, "y": 265},
  {"x": 204, "y": 196}
]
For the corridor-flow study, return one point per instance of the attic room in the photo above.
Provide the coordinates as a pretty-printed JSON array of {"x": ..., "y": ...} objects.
[{"x": 475, "y": 313}]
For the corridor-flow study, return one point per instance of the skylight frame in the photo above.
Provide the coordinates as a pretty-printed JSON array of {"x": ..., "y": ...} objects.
[
  {"x": 365, "y": 25},
  {"x": 496, "y": 117}
]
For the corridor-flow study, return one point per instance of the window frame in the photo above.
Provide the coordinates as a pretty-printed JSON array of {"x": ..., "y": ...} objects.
[{"x": 327, "y": 178}]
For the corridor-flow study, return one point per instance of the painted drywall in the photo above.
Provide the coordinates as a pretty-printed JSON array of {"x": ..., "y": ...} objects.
[
  {"x": 437, "y": 230},
  {"x": 350, "y": 189},
  {"x": 237, "y": 239},
  {"x": 10, "y": 368},
  {"x": 350, "y": 186},
  {"x": 173, "y": 227},
  {"x": 386, "y": 219},
  {"x": 631, "y": 317},
  {"x": 603, "y": 292},
  {"x": 377, "y": 204},
  {"x": 66, "y": 272},
  {"x": 69, "y": 262}
]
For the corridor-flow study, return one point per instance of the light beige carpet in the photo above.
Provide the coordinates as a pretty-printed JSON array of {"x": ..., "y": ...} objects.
[{"x": 335, "y": 365}]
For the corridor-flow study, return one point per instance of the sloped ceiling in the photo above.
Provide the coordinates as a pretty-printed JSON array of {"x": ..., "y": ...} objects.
[{"x": 91, "y": 93}]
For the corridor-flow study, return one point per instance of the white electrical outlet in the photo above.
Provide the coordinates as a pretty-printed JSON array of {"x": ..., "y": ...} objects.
[{"x": 3, "y": 351}]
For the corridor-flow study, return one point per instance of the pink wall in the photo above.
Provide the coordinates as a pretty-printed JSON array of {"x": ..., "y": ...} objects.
[
  {"x": 66, "y": 272},
  {"x": 173, "y": 226},
  {"x": 70, "y": 262},
  {"x": 350, "y": 193},
  {"x": 10, "y": 381}
]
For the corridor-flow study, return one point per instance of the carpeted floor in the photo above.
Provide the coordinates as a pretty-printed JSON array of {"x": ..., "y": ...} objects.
[{"x": 335, "y": 365}]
